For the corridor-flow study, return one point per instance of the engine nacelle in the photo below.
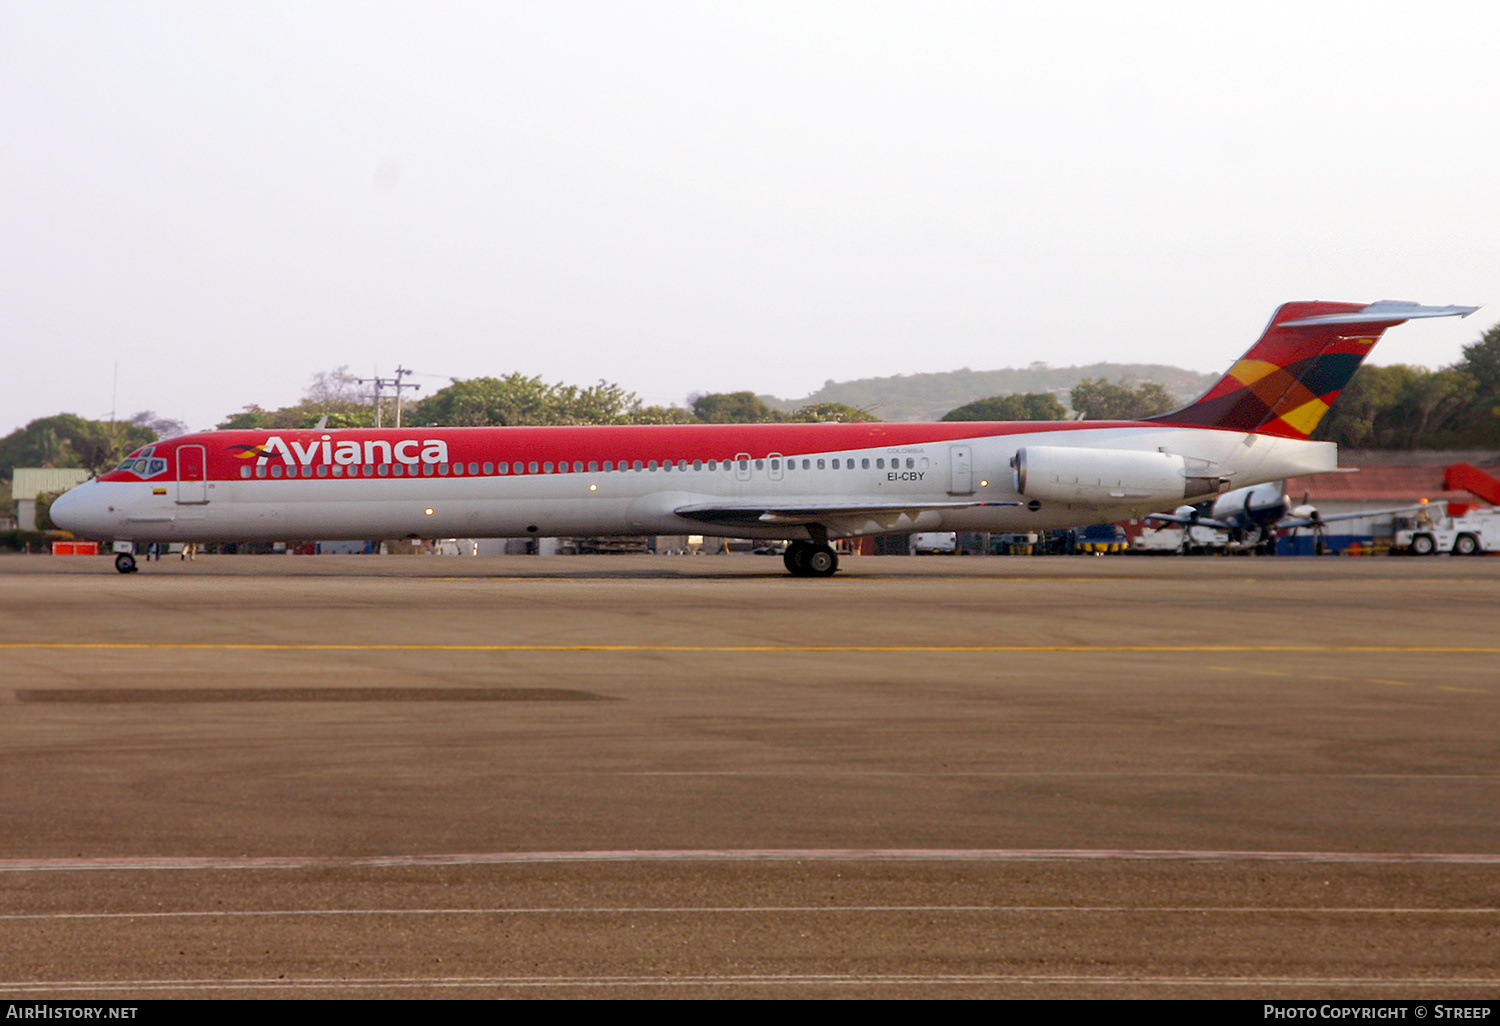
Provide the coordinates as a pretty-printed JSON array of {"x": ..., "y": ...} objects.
[{"x": 1062, "y": 474}]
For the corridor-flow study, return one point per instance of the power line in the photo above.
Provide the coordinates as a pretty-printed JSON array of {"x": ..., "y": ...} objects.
[{"x": 395, "y": 384}]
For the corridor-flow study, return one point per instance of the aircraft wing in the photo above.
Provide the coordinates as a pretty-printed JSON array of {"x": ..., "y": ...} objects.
[
  {"x": 817, "y": 513},
  {"x": 1173, "y": 518},
  {"x": 1292, "y": 522}
]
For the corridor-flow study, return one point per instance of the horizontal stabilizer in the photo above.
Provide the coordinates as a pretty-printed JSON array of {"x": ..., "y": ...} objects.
[{"x": 1387, "y": 311}]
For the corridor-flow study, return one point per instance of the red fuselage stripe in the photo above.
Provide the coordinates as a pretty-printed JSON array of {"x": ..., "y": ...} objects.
[{"x": 229, "y": 451}]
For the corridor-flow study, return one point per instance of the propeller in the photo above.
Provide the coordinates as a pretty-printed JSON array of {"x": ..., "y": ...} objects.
[
  {"x": 1192, "y": 513},
  {"x": 1307, "y": 511}
]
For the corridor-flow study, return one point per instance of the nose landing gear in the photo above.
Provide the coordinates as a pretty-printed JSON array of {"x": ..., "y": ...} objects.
[{"x": 125, "y": 563}]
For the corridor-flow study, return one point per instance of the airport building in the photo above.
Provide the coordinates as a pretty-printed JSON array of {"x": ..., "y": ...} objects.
[{"x": 29, "y": 482}]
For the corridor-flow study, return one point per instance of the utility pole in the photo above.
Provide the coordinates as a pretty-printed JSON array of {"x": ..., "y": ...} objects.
[
  {"x": 392, "y": 383},
  {"x": 401, "y": 372}
]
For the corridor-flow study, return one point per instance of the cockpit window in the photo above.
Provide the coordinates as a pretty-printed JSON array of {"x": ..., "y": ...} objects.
[{"x": 144, "y": 464}]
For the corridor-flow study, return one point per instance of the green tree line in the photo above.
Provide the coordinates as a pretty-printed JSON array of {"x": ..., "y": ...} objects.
[
  {"x": 1404, "y": 407},
  {"x": 518, "y": 400}
]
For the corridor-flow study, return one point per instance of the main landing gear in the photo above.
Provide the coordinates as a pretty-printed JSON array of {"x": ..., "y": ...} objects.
[
  {"x": 125, "y": 563},
  {"x": 811, "y": 559}
]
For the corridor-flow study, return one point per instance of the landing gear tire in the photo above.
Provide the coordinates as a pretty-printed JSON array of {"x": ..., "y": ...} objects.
[
  {"x": 125, "y": 563},
  {"x": 822, "y": 561},
  {"x": 810, "y": 559}
]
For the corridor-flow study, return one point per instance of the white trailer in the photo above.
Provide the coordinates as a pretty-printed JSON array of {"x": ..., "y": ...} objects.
[{"x": 1166, "y": 540}]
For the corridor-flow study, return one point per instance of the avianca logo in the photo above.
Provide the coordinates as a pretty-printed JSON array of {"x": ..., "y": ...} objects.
[{"x": 345, "y": 452}]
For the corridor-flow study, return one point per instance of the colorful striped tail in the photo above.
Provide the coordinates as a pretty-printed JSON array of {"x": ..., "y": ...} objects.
[{"x": 1289, "y": 379}]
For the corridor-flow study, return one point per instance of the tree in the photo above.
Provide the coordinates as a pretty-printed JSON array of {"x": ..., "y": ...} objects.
[
  {"x": 248, "y": 419},
  {"x": 662, "y": 415},
  {"x": 335, "y": 386},
  {"x": 1400, "y": 407},
  {"x": 831, "y": 413},
  {"x": 1097, "y": 399},
  {"x": 304, "y": 415},
  {"x": 1030, "y": 406},
  {"x": 734, "y": 408},
  {"x": 67, "y": 440},
  {"x": 1481, "y": 364},
  {"x": 44, "y": 501},
  {"x": 519, "y": 400},
  {"x": 1481, "y": 361},
  {"x": 333, "y": 394},
  {"x": 165, "y": 427}
]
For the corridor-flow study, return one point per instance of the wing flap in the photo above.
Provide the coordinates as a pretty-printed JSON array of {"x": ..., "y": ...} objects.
[{"x": 815, "y": 513}]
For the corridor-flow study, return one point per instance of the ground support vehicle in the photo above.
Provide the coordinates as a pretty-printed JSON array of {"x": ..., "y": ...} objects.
[{"x": 1473, "y": 533}]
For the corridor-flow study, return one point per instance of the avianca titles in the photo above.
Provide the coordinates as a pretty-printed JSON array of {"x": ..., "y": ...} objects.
[{"x": 806, "y": 483}]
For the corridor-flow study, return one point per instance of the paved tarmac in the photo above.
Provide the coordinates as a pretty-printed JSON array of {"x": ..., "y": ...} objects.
[{"x": 698, "y": 776}]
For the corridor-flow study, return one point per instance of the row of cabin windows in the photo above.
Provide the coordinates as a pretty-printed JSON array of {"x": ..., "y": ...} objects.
[{"x": 548, "y": 467}]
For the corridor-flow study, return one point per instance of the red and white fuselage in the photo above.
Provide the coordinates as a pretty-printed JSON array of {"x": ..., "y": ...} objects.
[
  {"x": 756, "y": 481},
  {"x": 807, "y": 483}
]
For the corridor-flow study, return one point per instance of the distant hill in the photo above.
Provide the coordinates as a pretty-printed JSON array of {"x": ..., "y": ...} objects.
[{"x": 929, "y": 396}]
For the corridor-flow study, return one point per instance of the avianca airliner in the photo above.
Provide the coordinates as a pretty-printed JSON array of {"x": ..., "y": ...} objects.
[{"x": 806, "y": 483}]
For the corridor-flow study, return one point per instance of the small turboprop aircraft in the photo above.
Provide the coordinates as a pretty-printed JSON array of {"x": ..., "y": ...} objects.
[
  {"x": 1253, "y": 515},
  {"x": 807, "y": 484}
]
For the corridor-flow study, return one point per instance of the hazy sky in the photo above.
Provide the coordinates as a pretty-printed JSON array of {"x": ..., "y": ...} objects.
[{"x": 224, "y": 198}]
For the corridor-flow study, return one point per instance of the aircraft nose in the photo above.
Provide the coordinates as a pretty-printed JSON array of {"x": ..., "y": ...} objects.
[{"x": 70, "y": 510}]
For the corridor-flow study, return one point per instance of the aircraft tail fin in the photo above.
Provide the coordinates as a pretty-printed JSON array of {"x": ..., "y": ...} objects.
[{"x": 1291, "y": 376}]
